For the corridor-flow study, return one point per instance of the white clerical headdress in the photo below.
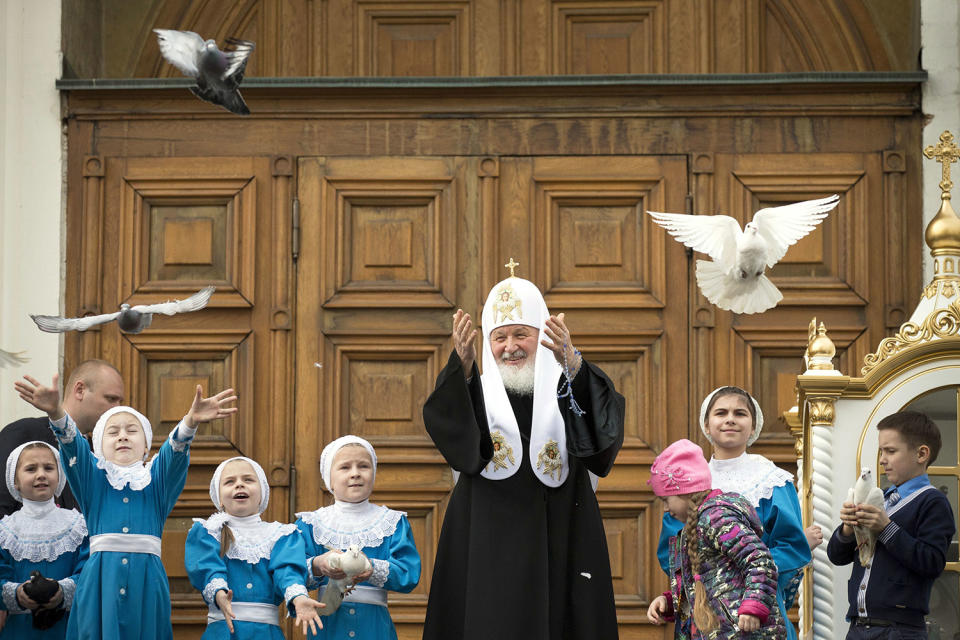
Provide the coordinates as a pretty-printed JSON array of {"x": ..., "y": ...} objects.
[{"x": 518, "y": 301}]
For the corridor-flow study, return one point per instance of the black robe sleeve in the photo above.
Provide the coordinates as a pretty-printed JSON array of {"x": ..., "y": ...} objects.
[
  {"x": 596, "y": 436},
  {"x": 456, "y": 418}
]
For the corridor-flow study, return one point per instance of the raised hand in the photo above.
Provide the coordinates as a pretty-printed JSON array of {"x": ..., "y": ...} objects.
[
  {"x": 212, "y": 408},
  {"x": 464, "y": 336},
  {"x": 561, "y": 344},
  {"x": 47, "y": 399},
  {"x": 223, "y": 599},
  {"x": 814, "y": 536},
  {"x": 307, "y": 615}
]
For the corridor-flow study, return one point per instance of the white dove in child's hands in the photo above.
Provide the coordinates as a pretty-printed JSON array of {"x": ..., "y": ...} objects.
[
  {"x": 351, "y": 562},
  {"x": 735, "y": 280}
]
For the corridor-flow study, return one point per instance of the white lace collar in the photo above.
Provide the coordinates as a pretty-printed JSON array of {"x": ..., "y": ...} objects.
[
  {"x": 136, "y": 474},
  {"x": 41, "y": 531},
  {"x": 345, "y": 523},
  {"x": 253, "y": 539},
  {"x": 752, "y": 476}
]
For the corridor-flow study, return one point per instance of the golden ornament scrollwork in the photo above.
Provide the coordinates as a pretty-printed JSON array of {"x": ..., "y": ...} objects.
[
  {"x": 941, "y": 323},
  {"x": 821, "y": 411}
]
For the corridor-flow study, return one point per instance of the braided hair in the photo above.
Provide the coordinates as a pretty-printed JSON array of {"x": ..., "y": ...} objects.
[{"x": 703, "y": 616}]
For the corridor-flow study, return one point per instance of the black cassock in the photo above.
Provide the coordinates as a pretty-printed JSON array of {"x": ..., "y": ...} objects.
[{"x": 518, "y": 560}]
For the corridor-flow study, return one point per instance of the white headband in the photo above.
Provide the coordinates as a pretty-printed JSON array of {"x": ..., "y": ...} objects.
[
  {"x": 330, "y": 451},
  {"x": 756, "y": 408},
  {"x": 102, "y": 423},
  {"x": 14, "y": 457},
  {"x": 264, "y": 486}
]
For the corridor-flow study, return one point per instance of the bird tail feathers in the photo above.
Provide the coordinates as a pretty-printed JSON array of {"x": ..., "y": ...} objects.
[{"x": 739, "y": 296}]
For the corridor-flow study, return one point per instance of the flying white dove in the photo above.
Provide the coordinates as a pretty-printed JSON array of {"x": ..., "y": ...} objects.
[
  {"x": 353, "y": 563},
  {"x": 130, "y": 319},
  {"x": 735, "y": 280},
  {"x": 218, "y": 73},
  {"x": 865, "y": 491},
  {"x": 11, "y": 359}
]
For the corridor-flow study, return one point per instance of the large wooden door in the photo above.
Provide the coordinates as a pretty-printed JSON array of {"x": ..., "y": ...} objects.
[{"x": 392, "y": 246}]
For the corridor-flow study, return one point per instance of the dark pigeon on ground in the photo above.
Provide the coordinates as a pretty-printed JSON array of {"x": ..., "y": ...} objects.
[
  {"x": 218, "y": 73},
  {"x": 130, "y": 319}
]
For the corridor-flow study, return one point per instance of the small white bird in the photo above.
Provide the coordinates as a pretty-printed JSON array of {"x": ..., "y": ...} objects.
[
  {"x": 11, "y": 359},
  {"x": 865, "y": 491},
  {"x": 352, "y": 562},
  {"x": 130, "y": 319},
  {"x": 735, "y": 280}
]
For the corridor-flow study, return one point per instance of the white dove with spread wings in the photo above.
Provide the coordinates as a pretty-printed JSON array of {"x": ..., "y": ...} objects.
[
  {"x": 865, "y": 491},
  {"x": 735, "y": 280},
  {"x": 130, "y": 319}
]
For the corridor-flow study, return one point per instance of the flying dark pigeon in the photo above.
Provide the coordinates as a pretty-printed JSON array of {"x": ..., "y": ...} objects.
[
  {"x": 130, "y": 319},
  {"x": 218, "y": 73},
  {"x": 11, "y": 359}
]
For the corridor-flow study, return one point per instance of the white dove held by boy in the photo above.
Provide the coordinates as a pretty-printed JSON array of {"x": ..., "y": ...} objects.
[
  {"x": 352, "y": 562},
  {"x": 865, "y": 491},
  {"x": 734, "y": 280}
]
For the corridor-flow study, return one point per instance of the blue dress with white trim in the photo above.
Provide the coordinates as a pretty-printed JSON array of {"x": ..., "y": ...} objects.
[
  {"x": 123, "y": 595},
  {"x": 57, "y": 547},
  {"x": 771, "y": 491},
  {"x": 265, "y": 565},
  {"x": 385, "y": 537}
]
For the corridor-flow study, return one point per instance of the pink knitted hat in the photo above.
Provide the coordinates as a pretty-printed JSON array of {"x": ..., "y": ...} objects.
[{"x": 679, "y": 470}]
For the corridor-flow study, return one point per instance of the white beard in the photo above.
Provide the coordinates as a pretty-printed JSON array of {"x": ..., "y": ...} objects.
[{"x": 518, "y": 380}]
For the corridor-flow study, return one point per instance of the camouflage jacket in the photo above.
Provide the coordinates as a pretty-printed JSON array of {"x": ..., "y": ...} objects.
[{"x": 735, "y": 566}]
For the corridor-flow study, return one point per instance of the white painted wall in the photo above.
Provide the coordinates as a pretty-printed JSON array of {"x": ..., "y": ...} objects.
[
  {"x": 940, "y": 25},
  {"x": 31, "y": 213}
]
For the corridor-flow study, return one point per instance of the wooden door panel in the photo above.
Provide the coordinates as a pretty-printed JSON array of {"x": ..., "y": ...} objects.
[{"x": 391, "y": 246}]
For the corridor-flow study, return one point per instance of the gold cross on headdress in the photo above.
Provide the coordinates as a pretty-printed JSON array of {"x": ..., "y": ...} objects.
[
  {"x": 946, "y": 153},
  {"x": 512, "y": 265}
]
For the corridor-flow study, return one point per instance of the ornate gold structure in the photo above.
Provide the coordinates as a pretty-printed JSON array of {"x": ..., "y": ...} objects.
[
  {"x": 837, "y": 413},
  {"x": 938, "y": 314},
  {"x": 512, "y": 265}
]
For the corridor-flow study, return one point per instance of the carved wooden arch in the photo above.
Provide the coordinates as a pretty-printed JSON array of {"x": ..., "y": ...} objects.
[{"x": 295, "y": 37}]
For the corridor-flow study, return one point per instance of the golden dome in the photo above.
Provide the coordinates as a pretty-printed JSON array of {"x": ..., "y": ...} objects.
[
  {"x": 943, "y": 232},
  {"x": 822, "y": 346}
]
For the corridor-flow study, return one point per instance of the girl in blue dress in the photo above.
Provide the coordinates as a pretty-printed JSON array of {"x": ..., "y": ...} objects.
[
  {"x": 731, "y": 420},
  {"x": 39, "y": 537},
  {"x": 348, "y": 466},
  {"x": 123, "y": 592},
  {"x": 243, "y": 566}
]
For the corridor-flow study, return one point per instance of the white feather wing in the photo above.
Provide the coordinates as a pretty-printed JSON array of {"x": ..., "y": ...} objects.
[
  {"x": 181, "y": 49},
  {"x": 783, "y": 226},
  {"x": 238, "y": 56},
  {"x": 715, "y": 236},
  {"x": 57, "y": 324},
  {"x": 193, "y": 303}
]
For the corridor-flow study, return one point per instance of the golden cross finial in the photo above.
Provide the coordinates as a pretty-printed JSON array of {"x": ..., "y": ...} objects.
[
  {"x": 512, "y": 265},
  {"x": 946, "y": 153}
]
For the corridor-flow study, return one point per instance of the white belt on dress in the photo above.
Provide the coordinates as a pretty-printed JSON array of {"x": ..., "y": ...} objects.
[
  {"x": 125, "y": 543},
  {"x": 247, "y": 612},
  {"x": 363, "y": 594}
]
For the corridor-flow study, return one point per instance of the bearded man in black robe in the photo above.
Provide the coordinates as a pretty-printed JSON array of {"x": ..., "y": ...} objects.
[{"x": 522, "y": 554}]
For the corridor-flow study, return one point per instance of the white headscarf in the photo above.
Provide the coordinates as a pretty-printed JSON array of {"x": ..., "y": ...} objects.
[
  {"x": 757, "y": 427},
  {"x": 330, "y": 452},
  {"x": 261, "y": 476},
  {"x": 518, "y": 301},
  {"x": 14, "y": 457},
  {"x": 102, "y": 424}
]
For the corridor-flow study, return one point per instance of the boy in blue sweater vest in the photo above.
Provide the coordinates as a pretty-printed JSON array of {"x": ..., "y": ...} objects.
[{"x": 891, "y": 595}]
